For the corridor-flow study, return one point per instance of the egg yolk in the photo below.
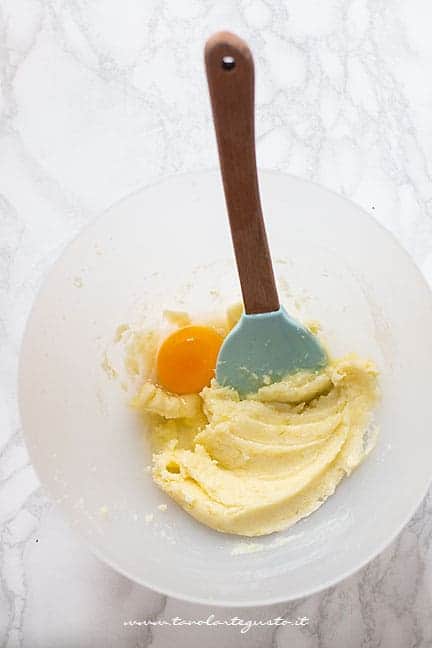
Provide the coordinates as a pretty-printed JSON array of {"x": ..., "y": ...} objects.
[{"x": 186, "y": 359}]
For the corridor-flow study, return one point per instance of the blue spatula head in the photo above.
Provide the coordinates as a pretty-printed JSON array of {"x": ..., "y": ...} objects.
[{"x": 265, "y": 348}]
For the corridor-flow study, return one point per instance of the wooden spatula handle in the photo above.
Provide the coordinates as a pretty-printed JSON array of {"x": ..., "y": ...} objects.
[{"x": 230, "y": 76}]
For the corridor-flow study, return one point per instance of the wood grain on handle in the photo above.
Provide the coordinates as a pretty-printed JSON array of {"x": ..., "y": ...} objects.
[{"x": 230, "y": 76}]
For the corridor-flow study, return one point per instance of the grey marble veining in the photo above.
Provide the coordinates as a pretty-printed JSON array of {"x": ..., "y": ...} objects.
[{"x": 99, "y": 98}]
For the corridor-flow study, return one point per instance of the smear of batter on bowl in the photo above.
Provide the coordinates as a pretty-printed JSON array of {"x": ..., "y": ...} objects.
[{"x": 256, "y": 465}]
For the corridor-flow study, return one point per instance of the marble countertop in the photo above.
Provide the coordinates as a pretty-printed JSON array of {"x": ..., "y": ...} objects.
[{"x": 99, "y": 98}]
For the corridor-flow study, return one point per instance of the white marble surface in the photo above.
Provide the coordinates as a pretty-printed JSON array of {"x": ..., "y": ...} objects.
[{"x": 99, "y": 97}]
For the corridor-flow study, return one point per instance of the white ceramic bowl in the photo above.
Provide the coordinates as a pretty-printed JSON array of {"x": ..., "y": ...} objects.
[{"x": 168, "y": 246}]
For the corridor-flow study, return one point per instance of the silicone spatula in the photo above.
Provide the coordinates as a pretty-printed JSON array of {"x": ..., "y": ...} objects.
[{"x": 267, "y": 344}]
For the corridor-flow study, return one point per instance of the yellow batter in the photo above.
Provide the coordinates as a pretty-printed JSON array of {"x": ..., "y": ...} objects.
[{"x": 257, "y": 465}]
